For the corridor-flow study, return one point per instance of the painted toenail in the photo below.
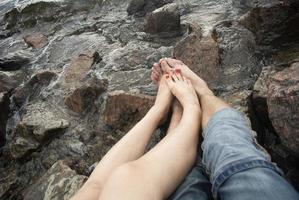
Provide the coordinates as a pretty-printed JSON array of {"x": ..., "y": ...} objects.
[
  {"x": 167, "y": 76},
  {"x": 178, "y": 71}
]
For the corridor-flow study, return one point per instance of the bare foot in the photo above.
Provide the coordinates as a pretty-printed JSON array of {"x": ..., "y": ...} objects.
[
  {"x": 169, "y": 64},
  {"x": 182, "y": 88},
  {"x": 163, "y": 99},
  {"x": 156, "y": 73}
]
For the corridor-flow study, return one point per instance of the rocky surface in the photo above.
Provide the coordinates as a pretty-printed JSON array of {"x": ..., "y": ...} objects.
[{"x": 75, "y": 76}]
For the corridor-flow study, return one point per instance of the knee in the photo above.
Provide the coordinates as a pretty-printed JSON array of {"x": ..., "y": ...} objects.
[{"x": 126, "y": 171}]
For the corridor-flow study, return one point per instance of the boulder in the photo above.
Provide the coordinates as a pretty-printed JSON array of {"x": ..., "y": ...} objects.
[
  {"x": 164, "y": 19},
  {"x": 141, "y": 7},
  {"x": 84, "y": 96},
  {"x": 272, "y": 21},
  {"x": 36, "y": 41},
  {"x": 80, "y": 66},
  {"x": 7, "y": 83},
  {"x": 22, "y": 147},
  {"x": 239, "y": 62},
  {"x": 39, "y": 125},
  {"x": 33, "y": 87},
  {"x": 200, "y": 53},
  {"x": 123, "y": 110},
  {"x": 283, "y": 105},
  {"x": 260, "y": 95},
  {"x": 59, "y": 182},
  {"x": 15, "y": 61}
]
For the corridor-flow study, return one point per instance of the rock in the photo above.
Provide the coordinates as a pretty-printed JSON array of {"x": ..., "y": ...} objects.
[
  {"x": 7, "y": 83},
  {"x": 272, "y": 21},
  {"x": 283, "y": 105},
  {"x": 259, "y": 96},
  {"x": 39, "y": 125},
  {"x": 80, "y": 66},
  {"x": 199, "y": 53},
  {"x": 239, "y": 62},
  {"x": 14, "y": 61},
  {"x": 123, "y": 110},
  {"x": 141, "y": 7},
  {"x": 22, "y": 147},
  {"x": 4, "y": 112},
  {"x": 59, "y": 182},
  {"x": 84, "y": 96},
  {"x": 36, "y": 41},
  {"x": 8, "y": 182},
  {"x": 135, "y": 6},
  {"x": 33, "y": 87},
  {"x": 164, "y": 19}
]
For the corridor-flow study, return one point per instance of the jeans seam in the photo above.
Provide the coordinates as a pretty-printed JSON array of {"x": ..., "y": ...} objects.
[{"x": 239, "y": 166}]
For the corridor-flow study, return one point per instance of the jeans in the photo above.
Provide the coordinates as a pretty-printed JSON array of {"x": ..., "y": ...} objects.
[{"x": 233, "y": 166}]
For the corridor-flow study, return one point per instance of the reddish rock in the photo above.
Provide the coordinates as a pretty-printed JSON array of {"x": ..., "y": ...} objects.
[
  {"x": 36, "y": 41},
  {"x": 283, "y": 106},
  {"x": 85, "y": 95},
  {"x": 164, "y": 19},
  {"x": 33, "y": 86},
  {"x": 123, "y": 110},
  {"x": 199, "y": 53},
  {"x": 80, "y": 66}
]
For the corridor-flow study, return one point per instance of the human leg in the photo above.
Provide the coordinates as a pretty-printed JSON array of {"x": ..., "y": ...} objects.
[
  {"x": 239, "y": 168},
  {"x": 131, "y": 147},
  {"x": 157, "y": 174}
]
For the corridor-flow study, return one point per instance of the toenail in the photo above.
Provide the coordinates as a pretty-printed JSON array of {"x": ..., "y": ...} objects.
[
  {"x": 178, "y": 71},
  {"x": 167, "y": 76}
]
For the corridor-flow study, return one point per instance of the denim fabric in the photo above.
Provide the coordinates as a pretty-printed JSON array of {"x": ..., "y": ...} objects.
[
  {"x": 238, "y": 167},
  {"x": 196, "y": 185}
]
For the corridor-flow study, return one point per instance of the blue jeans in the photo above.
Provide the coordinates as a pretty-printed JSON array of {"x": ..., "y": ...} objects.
[{"x": 233, "y": 166}]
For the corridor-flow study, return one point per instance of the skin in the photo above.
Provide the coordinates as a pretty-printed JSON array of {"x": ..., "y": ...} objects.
[
  {"x": 125, "y": 169},
  {"x": 210, "y": 104},
  {"x": 138, "y": 138},
  {"x": 141, "y": 179}
]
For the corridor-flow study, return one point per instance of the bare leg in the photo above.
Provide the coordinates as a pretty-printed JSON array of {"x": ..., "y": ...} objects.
[
  {"x": 129, "y": 148},
  {"x": 177, "y": 110},
  {"x": 157, "y": 174},
  {"x": 208, "y": 101}
]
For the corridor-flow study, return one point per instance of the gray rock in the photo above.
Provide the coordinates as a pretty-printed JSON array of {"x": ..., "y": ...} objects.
[
  {"x": 4, "y": 112},
  {"x": 164, "y": 19},
  {"x": 15, "y": 61},
  {"x": 59, "y": 182},
  {"x": 40, "y": 124}
]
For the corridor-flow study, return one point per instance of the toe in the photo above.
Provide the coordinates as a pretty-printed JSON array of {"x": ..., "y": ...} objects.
[
  {"x": 165, "y": 67},
  {"x": 169, "y": 81},
  {"x": 157, "y": 67},
  {"x": 174, "y": 63},
  {"x": 178, "y": 74}
]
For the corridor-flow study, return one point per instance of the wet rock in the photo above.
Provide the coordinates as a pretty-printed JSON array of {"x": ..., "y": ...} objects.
[
  {"x": 84, "y": 96},
  {"x": 80, "y": 66},
  {"x": 283, "y": 98},
  {"x": 39, "y": 125},
  {"x": 33, "y": 87},
  {"x": 59, "y": 182},
  {"x": 36, "y": 41},
  {"x": 123, "y": 110},
  {"x": 14, "y": 61},
  {"x": 164, "y": 19},
  {"x": 199, "y": 53}
]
